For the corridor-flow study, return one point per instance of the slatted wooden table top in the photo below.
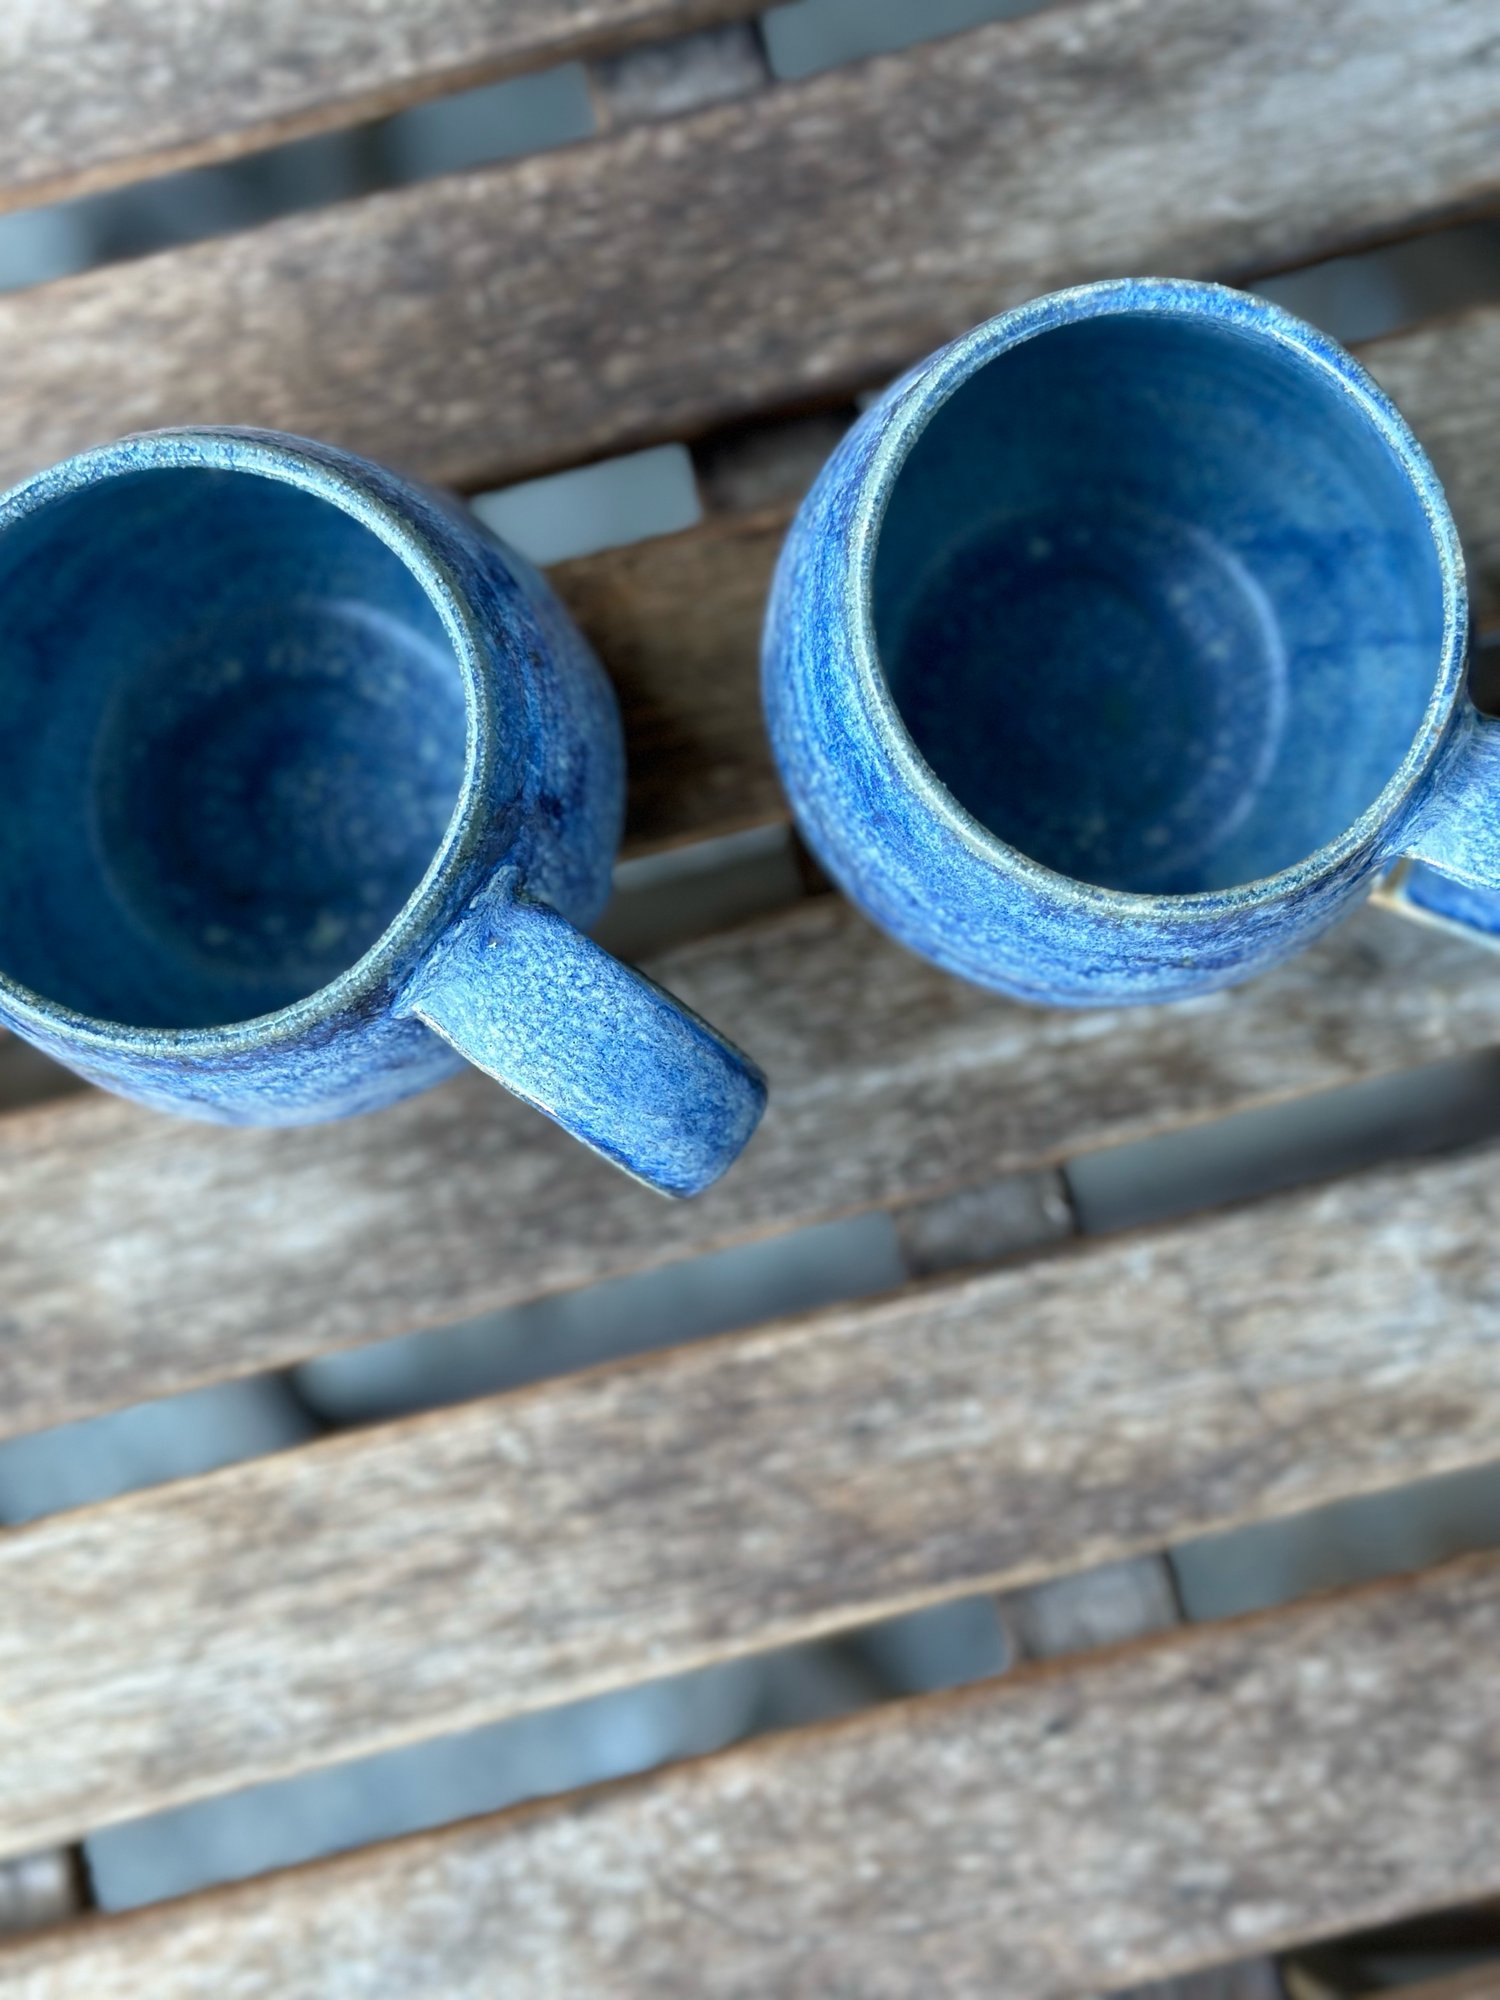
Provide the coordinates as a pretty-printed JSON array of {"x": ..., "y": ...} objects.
[{"x": 1032, "y": 1403}]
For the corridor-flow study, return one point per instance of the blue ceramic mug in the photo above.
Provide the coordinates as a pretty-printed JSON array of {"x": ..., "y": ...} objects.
[
  {"x": 1120, "y": 647},
  {"x": 306, "y": 784}
]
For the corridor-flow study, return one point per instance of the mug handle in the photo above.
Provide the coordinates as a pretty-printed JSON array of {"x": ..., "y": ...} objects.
[
  {"x": 1451, "y": 853},
  {"x": 603, "y": 1050}
]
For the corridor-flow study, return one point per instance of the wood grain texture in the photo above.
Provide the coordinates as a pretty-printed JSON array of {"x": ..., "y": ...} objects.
[
  {"x": 144, "y": 1255},
  {"x": 791, "y": 245},
  {"x": 1065, "y": 1831},
  {"x": 1472, "y": 1982},
  {"x": 531, "y": 1549},
  {"x": 97, "y": 92},
  {"x": 37, "y": 1889},
  {"x": 677, "y": 621}
]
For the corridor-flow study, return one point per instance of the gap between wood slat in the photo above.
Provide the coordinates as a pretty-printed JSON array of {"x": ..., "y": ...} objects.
[
  {"x": 746, "y": 1493},
  {"x": 95, "y": 95},
  {"x": 1070, "y": 1829},
  {"x": 796, "y": 243},
  {"x": 145, "y": 1255}
]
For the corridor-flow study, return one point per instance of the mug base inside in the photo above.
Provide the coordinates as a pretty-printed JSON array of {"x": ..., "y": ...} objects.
[
  {"x": 1157, "y": 599},
  {"x": 233, "y": 733},
  {"x": 1136, "y": 630},
  {"x": 268, "y": 793}
]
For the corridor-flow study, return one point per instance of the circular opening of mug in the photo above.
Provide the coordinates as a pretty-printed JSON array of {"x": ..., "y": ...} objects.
[
  {"x": 232, "y": 736},
  {"x": 1158, "y": 602}
]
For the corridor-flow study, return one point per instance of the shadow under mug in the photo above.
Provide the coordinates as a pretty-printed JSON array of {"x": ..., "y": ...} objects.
[
  {"x": 306, "y": 785},
  {"x": 1121, "y": 645}
]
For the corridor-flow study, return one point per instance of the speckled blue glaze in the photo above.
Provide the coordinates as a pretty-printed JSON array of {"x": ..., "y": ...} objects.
[
  {"x": 305, "y": 783},
  {"x": 1121, "y": 645}
]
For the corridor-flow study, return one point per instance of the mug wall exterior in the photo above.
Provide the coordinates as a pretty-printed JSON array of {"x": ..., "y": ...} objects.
[
  {"x": 534, "y": 831},
  {"x": 901, "y": 846}
]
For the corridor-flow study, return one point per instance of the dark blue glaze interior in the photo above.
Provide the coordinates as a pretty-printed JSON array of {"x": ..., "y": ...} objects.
[
  {"x": 1156, "y": 602},
  {"x": 232, "y": 736}
]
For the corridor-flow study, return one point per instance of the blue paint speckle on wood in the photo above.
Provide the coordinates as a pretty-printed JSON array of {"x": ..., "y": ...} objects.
[
  {"x": 1120, "y": 646},
  {"x": 271, "y": 720}
]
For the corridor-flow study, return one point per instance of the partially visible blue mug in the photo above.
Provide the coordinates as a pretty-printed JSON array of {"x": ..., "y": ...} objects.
[
  {"x": 306, "y": 785},
  {"x": 1120, "y": 647}
]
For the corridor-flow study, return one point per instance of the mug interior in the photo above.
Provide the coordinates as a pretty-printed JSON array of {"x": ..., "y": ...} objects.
[
  {"x": 232, "y": 736},
  {"x": 1158, "y": 602}
]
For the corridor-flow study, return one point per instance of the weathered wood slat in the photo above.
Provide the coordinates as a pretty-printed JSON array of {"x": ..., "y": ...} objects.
[
  {"x": 96, "y": 92},
  {"x": 534, "y": 1548},
  {"x": 1066, "y": 1831},
  {"x": 144, "y": 1255},
  {"x": 789, "y": 245},
  {"x": 677, "y": 621}
]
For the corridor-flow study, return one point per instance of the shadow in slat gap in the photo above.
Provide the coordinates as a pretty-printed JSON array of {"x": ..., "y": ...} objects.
[
  {"x": 41, "y": 1889},
  {"x": 444, "y": 1779},
  {"x": 471, "y": 128},
  {"x": 1242, "y": 1979},
  {"x": 807, "y": 36},
  {"x": 1348, "y": 1542},
  {"x": 447, "y": 1778},
  {"x": 1371, "y": 293},
  {"x": 1436, "y": 1109},
  {"x": 80, "y": 1464},
  {"x": 435, "y": 1782},
  {"x": 1443, "y": 1945},
  {"x": 1439, "y": 1108}
]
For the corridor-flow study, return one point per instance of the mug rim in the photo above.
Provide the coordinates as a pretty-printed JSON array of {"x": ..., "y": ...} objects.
[
  {"x": 338, "y": 477},
  {"x": 915, "y": 399}
]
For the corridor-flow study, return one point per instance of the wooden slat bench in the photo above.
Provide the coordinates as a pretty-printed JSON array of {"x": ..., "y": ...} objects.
[{"x": 1030, "y": 1404}]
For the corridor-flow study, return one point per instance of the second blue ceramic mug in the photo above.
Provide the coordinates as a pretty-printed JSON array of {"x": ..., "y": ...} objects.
[
  {"x": 1121, "y": 645},
  {"x": 306, "y": 787}
]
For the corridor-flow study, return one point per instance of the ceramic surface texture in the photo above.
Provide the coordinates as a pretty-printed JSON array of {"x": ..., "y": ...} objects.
[
  {"x": 1121, "y": 645},
  {"x": 1424, "y": 893},
  {"x": 306, "y": 787}
]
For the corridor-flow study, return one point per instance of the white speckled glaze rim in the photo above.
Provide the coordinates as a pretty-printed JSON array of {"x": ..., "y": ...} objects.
[
  {"x": 335, "y": 476},
  {"x": 916, "y": 399}
]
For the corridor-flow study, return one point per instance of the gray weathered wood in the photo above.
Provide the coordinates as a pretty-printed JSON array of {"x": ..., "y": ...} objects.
[
  {"x": 95, "y": 92},
  {"x": 668, "y": 78},
  {"x": 1065, "y": 1831},
  {"x": 526, "y": 1550},
  {"x": 791, "y": 245},
  {"x": 1126, "y": 1599},
  {"x": 980, "y": 1225},
  {"x": 1323, "y": 1975},
  {"x": 38, "y": 1889},
  {"x": 144, "y": 1255}
]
